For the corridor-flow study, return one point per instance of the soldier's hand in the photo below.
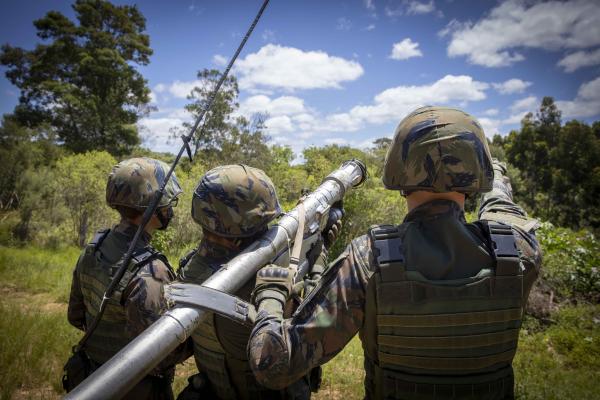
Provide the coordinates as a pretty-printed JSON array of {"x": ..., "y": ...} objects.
[
  {"x": 499, "y": 166},
  {"x": 274, "y": 282},
  {"x": 334, "y": 224}
]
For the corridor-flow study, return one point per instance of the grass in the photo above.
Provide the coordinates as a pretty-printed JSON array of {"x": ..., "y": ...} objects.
[{"x": 556, "y": 361}]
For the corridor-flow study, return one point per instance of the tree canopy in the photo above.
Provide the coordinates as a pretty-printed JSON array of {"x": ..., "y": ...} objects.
[{"x": 80, "y": 79}]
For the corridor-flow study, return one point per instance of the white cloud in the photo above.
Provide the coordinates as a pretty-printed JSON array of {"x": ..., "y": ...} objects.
[
  {"x": 370, "y": 27},
  {"x": 219, "y": 60},
  {"x": 336, "y": 140},
  {"x": 528, "y": 103},
  {"x": 551, "y": 25},
  {"x": 580, "y": 59},
  {"x": 490, "y": 126},
  {"x": 155, "y": 133},
  {"x": 182, "y": 89},
  {"x": 290, "y": 68},
  {"x": 405, "y": 49},
  {"x": 370, "y": 4},
  {"x": 511, "y": 86},
  {"x": 586, "y": 103},
  {"x": 416, "y": 7},
  {"x": 343, "y": 24},
  {"x": 491, "y": 112},
  {"x": 391, "y": 104},
  {"x": 515, "y": 118},
  {"x": 179, "y": 89},
  {"x": 284, "y": 105}
]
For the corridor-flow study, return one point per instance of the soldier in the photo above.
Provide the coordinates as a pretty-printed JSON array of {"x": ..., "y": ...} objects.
[
  {"x": 233, "y": 204},
  {"x": 437, "y": 301},
  {"x": 138, "y": 300}
]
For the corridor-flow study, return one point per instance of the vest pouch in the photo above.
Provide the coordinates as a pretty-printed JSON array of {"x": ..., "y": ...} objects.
[
  {"x": 397, "y": 385},
  {"x": 77, "y": 368}
]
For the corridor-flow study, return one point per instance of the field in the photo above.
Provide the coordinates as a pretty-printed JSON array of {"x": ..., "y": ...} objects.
[{"x": 558, "y": 357}]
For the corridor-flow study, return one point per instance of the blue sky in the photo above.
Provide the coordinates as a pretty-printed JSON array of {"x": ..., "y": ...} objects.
[{"x": 347, "y": 72}]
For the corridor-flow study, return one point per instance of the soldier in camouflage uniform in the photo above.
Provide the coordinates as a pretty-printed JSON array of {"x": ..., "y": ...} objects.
[
  {"x": 233, "y": 204},
  {"x": 437, "y": 301},
  {"x": 138, "y": 300}
]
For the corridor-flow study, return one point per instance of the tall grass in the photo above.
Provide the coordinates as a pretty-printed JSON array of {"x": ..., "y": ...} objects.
[{"x": 556, "y": 361}]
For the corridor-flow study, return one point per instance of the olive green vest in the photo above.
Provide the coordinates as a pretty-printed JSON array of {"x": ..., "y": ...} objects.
[
  {"x": 442, "y": 339},
  {"x": 96, "y": 266},
  {"x": 220, "y": 347}
]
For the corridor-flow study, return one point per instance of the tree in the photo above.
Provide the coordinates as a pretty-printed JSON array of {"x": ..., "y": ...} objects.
[
  {"x": 224, "y": 137},
  {"x": 80, "y": 80},
  {"x": 22, "y": 148}
]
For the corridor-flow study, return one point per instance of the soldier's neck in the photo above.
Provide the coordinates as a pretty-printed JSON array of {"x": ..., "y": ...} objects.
[
  {"x": 415, "y": 199},
  {"x": 150, "y": 227}
]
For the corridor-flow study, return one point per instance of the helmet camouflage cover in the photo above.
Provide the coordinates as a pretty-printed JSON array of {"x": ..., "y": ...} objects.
[
  {"x": 439, "y": 149},
  {"x": 132, "y": 183},
  {"x": 235, "y": 201}
]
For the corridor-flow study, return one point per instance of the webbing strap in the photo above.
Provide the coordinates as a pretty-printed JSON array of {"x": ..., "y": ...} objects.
[
  {"x": 505, "y": 249},
  {"x": 447, "y": 342},
  {"x": 386, "y": 244},
  {"x": 447, "y": 363},
  {"x": 295, "y": 256},
  {"x": 436, "y": 320}
]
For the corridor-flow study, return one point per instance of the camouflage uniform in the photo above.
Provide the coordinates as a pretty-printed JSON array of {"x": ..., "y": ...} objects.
[
  {"x": 138, "y": 300},
  {"x": 237, "y": 202},
  {"x": 412, "y": 349}
]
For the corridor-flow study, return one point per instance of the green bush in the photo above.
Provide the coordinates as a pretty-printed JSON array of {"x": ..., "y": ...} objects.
[{"x": 571, "y": 261}]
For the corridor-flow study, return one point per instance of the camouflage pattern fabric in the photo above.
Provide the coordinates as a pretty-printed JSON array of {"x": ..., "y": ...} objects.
[
  {"x": 439, "y": 149},
  {"x": 220, "y": 344},
  {"x": 280, "y": 350},
  {"x": 235, "y": 201},
  {"x": 132, "y": 183},
  {"x": 142, "y": 304}
]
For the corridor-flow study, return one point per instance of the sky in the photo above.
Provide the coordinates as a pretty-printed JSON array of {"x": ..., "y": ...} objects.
[{"x": 346, "y": 72}]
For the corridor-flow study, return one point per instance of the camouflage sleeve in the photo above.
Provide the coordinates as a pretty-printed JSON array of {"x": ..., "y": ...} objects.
[
  {"x": 76, "y": 309},
  {"x": 498, "y": 205},
  {"x": 145, "y": 303},
  {"x": 280, "y": 351}
]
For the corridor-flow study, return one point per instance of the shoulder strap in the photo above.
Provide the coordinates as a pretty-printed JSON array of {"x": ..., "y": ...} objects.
[
  {"x": 504, "y": 248},
  {"x": 97, "y": 240},
  {"x": 185, "y": 259},
  {"x": 388, "y": 252}
]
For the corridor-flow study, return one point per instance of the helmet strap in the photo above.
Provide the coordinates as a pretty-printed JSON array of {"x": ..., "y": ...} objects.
[{"x": 164, "y": 219}]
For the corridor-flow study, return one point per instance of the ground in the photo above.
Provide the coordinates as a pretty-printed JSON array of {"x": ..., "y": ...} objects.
[{"x": 558, "y": 357}]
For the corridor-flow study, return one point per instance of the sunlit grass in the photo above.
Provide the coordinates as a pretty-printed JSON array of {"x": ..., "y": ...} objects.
[{"x": 559, "y": 361}]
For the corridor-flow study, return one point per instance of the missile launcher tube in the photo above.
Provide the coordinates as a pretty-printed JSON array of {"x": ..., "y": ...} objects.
[{"x": 132, "y": 363}]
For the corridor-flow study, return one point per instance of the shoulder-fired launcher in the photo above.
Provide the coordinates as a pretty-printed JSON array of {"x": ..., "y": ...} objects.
[{"x": 115, "y": 377}]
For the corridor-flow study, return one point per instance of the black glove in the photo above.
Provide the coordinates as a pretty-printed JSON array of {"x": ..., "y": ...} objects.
[
  {"x": 274, "y": 282},
  {"x": 334, "y": 224}
]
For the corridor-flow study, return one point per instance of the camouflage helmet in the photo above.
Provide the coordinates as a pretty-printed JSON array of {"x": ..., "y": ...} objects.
[
  {"x": 439, "y": 149},
  {"x": 132, "y": 183},
  {"x": 235, "y": 201}
]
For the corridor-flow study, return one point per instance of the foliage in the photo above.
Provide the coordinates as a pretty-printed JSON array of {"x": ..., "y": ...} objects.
[
  {"x": 65, "y": 203},
  {"x": 558, "y": 167},
  {"x": 223, "y": 137},
  {"x": 22, "y": 148},
  {"x": 571, "y": 262},
  {"x": 81, "y": 78}
]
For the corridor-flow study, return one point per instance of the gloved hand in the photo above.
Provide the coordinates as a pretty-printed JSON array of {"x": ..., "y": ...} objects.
[
  {"x": 499, "y": 166},
  {"x": 273, "y": 282},
  {"x": 334, "y": 224}
]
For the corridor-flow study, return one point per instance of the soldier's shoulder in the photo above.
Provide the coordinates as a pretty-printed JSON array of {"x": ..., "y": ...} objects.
[
  {"x": 362, "y": 251},
  {"x": 523, "y": 229},
  {"x": 157, "y": 268},
  {"x": 196, "y": 269}
]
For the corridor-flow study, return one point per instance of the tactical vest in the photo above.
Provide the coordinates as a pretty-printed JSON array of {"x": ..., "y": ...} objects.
[
  {"x": 95, "y": 274},
  {"x": 442, "y": 339},
  {"x": 220, "y": 347}
]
